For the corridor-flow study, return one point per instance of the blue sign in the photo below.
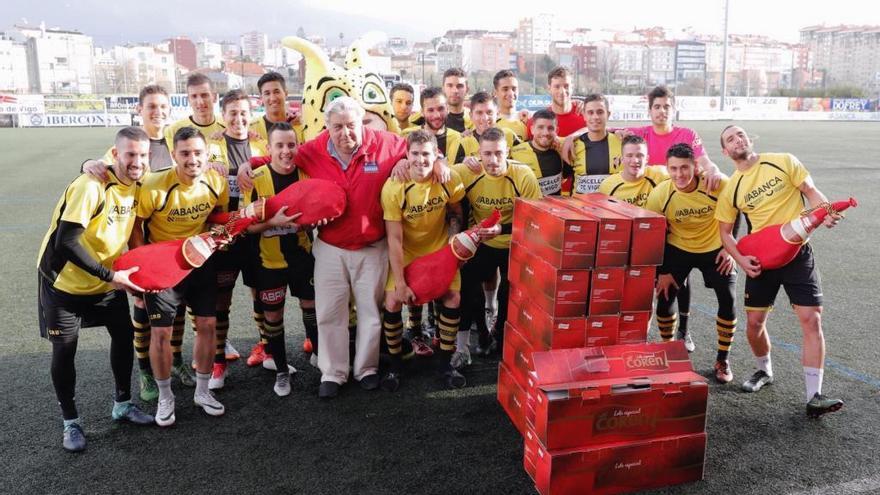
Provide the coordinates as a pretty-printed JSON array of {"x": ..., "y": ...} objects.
[
  {"x": 851, "y": 105},
  {"x": 533, "y": 103}
]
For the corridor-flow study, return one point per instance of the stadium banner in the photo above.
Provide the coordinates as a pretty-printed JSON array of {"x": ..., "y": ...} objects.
[
  {"x": 75, "y": 120},
  {"x": 22, "y": 104},
  {"x": 533, "y": 103},
  {"x": 121, "y": 103},
  {"x": 852, "y": 105},
  {"x": 697, "y": 103},
  {"x": 628, "y": 107},
  {"x": 809, "y": 104},
  {"x": 74, "y": 104}
]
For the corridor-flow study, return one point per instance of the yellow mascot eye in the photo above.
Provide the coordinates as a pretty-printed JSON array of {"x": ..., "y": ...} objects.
[
  {"x": 373, "y": 94},
  {"x": 332, "y": 94}
]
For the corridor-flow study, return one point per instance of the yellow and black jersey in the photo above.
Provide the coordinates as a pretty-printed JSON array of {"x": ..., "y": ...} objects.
[
  {"x": 471, "y": 144},
  {"x": 277, "y": 245},
  {"x": 233, "y": 153},
  {"x": 594, "y": 161},
  {"x": 409, "y": 126},
  {"x": 421, "y": 208},
  {"x": 459, "y": 122},
  {"x": 690, "y": 216},
  {"x": 486, "y": 193},
  {"x": 515, "y": 125},
  {"x": 635, "y": 192},
  {"x": 173, "y": 210},
  {"x": 207, "y": 130},
  {"x": 261, "y": 127},
  {"x": 106, "y": 210},
  {"x": 767, "y": 193},
  {"x": 547, "y": 165},
  {"x": 448, "y": 143}
]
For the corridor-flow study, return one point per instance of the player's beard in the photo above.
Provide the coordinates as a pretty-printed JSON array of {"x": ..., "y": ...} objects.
[{"x": 740, "y": 155}]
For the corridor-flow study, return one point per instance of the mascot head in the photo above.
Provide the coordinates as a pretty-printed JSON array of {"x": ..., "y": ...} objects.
[{"x": 325, "y": 81}]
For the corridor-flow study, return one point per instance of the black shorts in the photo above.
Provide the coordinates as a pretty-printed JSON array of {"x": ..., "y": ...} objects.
[
  {"x": 679, "y": 264},
  {"x": 198, "y": 291},
  {"x": 240, "y": 257},
  {"x": 61, "y": 314},
  {"x": 299, "y": 277},
  {"x": 800, "y": 278}
]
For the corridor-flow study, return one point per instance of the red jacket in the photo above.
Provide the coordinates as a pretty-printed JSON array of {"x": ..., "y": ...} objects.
[{"x": 361, "y": 223}]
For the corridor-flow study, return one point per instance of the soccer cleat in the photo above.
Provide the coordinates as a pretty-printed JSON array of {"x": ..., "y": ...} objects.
[
  {"x": 722, "y": 372},
  {"x": 231, "y": 353},
  {"x": 461, "y": 358},
  {"x": 74, "y": 438},
  {"x": 149, "y": 389},
  {"x": 454, "y": 379},
  {"x": 688, "y": 341},
  {"x": 208, "y": 403},
  {"x": 183, "y": 374},
  {"x": 127, "y": 411},
  {"x": 390, "y": 382},
  {"x": 820, "y": 405},
  {"x": 421, "y": 347},
  {"x": 218, "y": 377},
  {"x": 282, "y": 384},
  {"x": 269, "y": 364},
  {"x": 757, "y": 381},
  {"x": 258, "y": 355},
  {"x": 165, "y": 412}
]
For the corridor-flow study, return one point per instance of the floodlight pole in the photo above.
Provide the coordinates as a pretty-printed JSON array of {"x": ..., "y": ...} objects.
[{"x": 724, "y": 55}]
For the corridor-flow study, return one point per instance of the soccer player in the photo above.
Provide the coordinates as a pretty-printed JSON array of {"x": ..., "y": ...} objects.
[
  {"x": 636, "y": 180},
  {"x": 273, "y": 94},
  {"x": 596, "y": 152},
  {"x": 541, "y": 156},
  {"x": 568, "y": 118},
  {"x": 402, "y": 97},
  {"x": 419, "y": 216},
  {"x": 496, "y": 186},
  {"x": 285, "y": 258},
  {"x": 506, "y": 93},
  {"x": 455, "y": 87},
  {"x": 175, "y": 204},
  {"x": 692, "y": 242},
  {"x": 232, "y": 149},
  {"x": 484, "y": 114},
  {"x": 201, "y": 96},
  {"x": 769, "y": 189},
  {"x": 89, "y": 230}
]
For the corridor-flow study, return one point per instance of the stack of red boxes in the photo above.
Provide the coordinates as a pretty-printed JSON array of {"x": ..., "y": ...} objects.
[{"x": 601, "y": 410}]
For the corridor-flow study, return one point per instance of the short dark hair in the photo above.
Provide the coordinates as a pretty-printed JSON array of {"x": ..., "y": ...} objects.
[
  {"x": 430, "y": 93},
  {"x": 187, "y": 132},
  {"x": 558, "y": 71},
  {"x": 279, "y": 127},
  {"x": 197, "y": 79},
  {"x": 401, "y": 87},
  {"x": 132, "y": 133},
  {"x": 493, "y": 134},
  {"x": 420, "y": 136},
  {"x": 481, "y": 97},
  {"x": 502, "y": 74},
  {"x": 633, "y": 139},
  {"x": 659, "y": 92},
  {"x": 681, "y": 150},
  {"x": 544, "y": 113},
  {"x": 596, "y": 97},
  {"x": 453, "y": 72},
  {"x": 234, "y": 95},
  {"x": 271, "y": 77},
  {"x": 152, "y": 89}
]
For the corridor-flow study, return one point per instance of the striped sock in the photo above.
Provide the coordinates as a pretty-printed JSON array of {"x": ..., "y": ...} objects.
[
  {"x": 447, "y": 327},
  {"x": 260, "y": 320},
  {"x": 275, "y": 336},
  {"x": 392, "y": 326},
  {"x": 666, "y": 325},
  {"x": 141, "y": 322},
  {"x": 725, "y": 329},
  {"x": 220, "y": 337}
]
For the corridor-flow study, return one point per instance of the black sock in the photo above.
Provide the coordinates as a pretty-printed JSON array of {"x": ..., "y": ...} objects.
[
  {"x": 310, "y": 322},
  {"x": 177, "y": 336},
  {"x": 121, "y": 358},
  {"x": 275, "y": 336},
  {"x": 63, "y": 373}
]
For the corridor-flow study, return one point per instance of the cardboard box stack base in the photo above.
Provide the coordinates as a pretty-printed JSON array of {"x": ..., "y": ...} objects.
[{"x": 600, "y": 410}]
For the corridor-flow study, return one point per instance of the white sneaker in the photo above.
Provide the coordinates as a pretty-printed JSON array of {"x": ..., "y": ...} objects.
[
  {"x": 313, "y": 360},
  {"x": 282, "y": 384},
  {"x": 218, "y": 377},
  {"x": 165, "y": 412},
  {"x": 688, "y": 341},
  {"x": 231, "y": 353},
  {"x": 208, "y": 403},
  {"x": 461, "y": 358},
  {"x": 269, "y": 364}
]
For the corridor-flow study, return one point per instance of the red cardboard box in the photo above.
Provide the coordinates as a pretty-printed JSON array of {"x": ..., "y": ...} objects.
[
  {"x": 613, "y": 241},
  {"x": 648, "y": 228},
  {"x": 544, "y": 332},
  {"x": 560, "y": 292},
  {"x": 615, "y": 468},
  {"x": 601, "y": 330},
  {"x": 606, "y": 291},
  {"x": 561, "y": 236},
  {"x": 513, "y": 398},
  {"x": 517, "y": 356},
  {"x": 638, "y": 288},
  {"x": 633, "y": 327},
  {"x": 612, "y": 394}
]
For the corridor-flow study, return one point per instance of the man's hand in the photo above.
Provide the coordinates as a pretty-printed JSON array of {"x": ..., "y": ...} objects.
[
  {"x": 524, "y": 117},
  {"x": 467, "y": 133},
  {"x": 567, "y": 151},
  {"x": 750, "y": 265},
  {"x": 400, "y": 172},
  {"x": 622, "y": 133},
  {"x": 245, "y": 177},
  {"x": 280, "y": 219},
  {"x": 96, "y": 169},
  {"x": 487, "y": 233},
  {"x": 219, "y": 167},
  {"x": 216, "y": 136},
  {"x": 122, "y": 281},
  {"x": 473, "y": 164},
  {"x": 832, "y": 220},
  {"x": 664, "y": 282},
  {"x": 323, "y": 221},
  {"x": 713, "y": 180},
  {"x": 404, "y": 294},
  {"x": 724, "y": 262},
  {"x": 253, "y": 135},
  {"x": 577, "y": 106},
  {"x": 293, "y": 117},
  {"x": 442, "y": 173}
]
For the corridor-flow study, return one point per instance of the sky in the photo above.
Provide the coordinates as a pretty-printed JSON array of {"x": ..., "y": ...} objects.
[{"x": 128, "y": 21}]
